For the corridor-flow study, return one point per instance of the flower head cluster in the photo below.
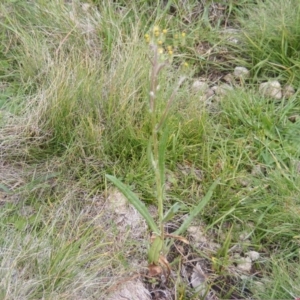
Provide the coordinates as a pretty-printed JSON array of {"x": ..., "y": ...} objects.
[{"x": 166, "y": 44}]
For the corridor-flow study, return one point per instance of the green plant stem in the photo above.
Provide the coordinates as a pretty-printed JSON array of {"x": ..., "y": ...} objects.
[
  {"x": 156, "y": 68},
  {"x": 158, "y": 179}
]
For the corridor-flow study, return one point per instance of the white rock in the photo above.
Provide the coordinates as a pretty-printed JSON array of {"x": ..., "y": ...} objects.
[
  {"x": 253, "y": 255},
  {"x": 241, "y": 72},
  {"x": 200, "y": 87},
  {"x": 288, "y": 91},
  {"x": 271, "y": 89},
  {"x": 245, "y": 264},
  {"x": 222, "y": 90},
  {"x": 133, "y": 290}
]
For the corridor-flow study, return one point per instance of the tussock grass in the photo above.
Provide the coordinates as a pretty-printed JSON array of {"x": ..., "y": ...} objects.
[
  {"x": 271, "y": 44},
  {"x": 75, "y": 106}
]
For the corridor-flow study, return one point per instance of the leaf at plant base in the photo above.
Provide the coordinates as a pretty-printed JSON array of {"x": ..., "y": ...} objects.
[
  {"x": 135, "y": 201},
  {"x": 224, "y": 250},
  {"x": 172, "y": 211},
  {"x": 164, "y": 262},
  {"x": 154, "y": 251},
  {"x": 154, "y": 270},
  {"x": 184, "y": 226}
]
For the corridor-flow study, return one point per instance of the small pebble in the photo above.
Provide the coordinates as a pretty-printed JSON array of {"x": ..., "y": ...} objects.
[
  {"x": 245, "y": 264},
  {"x": 241, "y": 72},
  {"x": 222, "y": 90},
  {"x": 271, "y": 89},
  {"x": 288, "y": 91},
  {"x": 253, "y": 255}
]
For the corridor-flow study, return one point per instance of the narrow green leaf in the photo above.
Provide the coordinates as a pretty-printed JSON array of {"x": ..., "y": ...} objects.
[
  {"x": 184, "y": 226},
  {"x": 135, "y": 201},
  {"x": 155, "y": 249},
  {"x": 172, "y": 211},
  {"x": 161, "y": 153},
  {"x": 223, "y": 251}
]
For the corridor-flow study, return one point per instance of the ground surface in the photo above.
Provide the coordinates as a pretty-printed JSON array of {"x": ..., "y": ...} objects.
[{"x": 74, "y": 106}]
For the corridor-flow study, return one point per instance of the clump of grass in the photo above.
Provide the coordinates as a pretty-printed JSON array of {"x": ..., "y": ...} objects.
[{"x": 270, "y": 34}]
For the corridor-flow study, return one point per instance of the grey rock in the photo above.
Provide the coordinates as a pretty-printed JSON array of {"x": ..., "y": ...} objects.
[
  {"x": 133, "y": 290},
  {"x": 222, "y": 89},
  {"x": 241, "y": 72},
  {"x": 245, "y": 264},
  {"x": 253, "y": 255},
  {"x": 271, "y": 89},
  {"x": 229, "y": 78},
  {"x": 288, "y": 91}
]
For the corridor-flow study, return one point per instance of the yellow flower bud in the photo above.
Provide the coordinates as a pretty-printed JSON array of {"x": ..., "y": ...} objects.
[
  {"x": 169, "y": 48},
  {"x": 183, "y": 34},
  {"x": 170, "y": 52},
  {"x": 155, "y": 29},
  {"x": 165, "y": 31},
  {"x": 160, "y": 50}
]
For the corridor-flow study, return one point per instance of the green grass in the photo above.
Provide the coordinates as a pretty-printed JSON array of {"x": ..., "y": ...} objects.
[
  {"x": 74, "y": 90},
  {"x": 270, "y": 45},
  {"x": 55, "y": 250}
]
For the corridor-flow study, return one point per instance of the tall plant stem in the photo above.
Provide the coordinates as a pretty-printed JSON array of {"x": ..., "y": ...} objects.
[
  {"x": 156, "y": 68},
  {"x": 158, "y": 179}
]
